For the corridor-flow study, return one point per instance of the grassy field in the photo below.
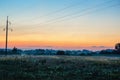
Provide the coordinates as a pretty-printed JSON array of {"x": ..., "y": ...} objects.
[{"x": 59, "y": 68}]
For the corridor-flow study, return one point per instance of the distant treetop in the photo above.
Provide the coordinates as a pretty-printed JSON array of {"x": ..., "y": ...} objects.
[{"x": 117, "y": 46}]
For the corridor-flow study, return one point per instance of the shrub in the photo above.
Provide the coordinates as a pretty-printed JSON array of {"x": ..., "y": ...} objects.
[{"x": 60, "y": 53}]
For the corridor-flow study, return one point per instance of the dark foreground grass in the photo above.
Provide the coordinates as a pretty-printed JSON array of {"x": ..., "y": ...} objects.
[{"x": 59, "y": 68}]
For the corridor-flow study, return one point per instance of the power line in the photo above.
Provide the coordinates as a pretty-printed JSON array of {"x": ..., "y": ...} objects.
[
  {"x": 58, "y": 11},
  {"x": 74, "y": 13},
  {"x": 78, "y": 12},
  {"x": 86, "y": 12},
  {"x": 89, "y": 12}
]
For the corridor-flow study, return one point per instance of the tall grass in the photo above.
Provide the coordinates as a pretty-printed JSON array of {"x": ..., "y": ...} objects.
[{"x": 59, "y": 68}]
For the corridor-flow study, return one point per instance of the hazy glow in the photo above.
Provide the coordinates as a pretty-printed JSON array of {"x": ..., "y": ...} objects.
[{"x": 35, "y": 24}]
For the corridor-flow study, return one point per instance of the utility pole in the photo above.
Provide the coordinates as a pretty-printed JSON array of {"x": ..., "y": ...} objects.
[
  {"x": 6, "y": 43},
  {"x": 6, "y": 29}
]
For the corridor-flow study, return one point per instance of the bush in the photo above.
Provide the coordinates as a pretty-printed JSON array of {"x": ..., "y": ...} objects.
[{"x": 60, "y": 53}]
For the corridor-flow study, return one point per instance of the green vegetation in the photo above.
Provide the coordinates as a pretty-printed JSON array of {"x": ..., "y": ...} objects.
[{"x": 59, "y": 68}]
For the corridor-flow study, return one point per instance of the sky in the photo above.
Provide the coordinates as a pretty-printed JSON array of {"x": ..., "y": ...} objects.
[{"x": 61, "y": 24}]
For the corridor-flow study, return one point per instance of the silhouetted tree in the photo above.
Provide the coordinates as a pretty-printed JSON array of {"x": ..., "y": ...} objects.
[
  {"x": 117, "y": 47},
  {"x": 2, "y": 52},
  {"x": 39, "y": 52},
  {"x": 15, "y": 51},
  {"x": 105, "y": 52},
  {"x": 60, "y": 53}
]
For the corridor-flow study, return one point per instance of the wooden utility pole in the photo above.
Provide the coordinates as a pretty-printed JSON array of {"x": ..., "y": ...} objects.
[{"x": 6, "y": 43}]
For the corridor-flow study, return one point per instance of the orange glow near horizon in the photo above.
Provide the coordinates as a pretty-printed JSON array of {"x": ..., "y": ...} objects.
[
  {"x": 56, "y": 40},
  {"x": 56, "y": 44},
  {"x": 60, "y": 40}
]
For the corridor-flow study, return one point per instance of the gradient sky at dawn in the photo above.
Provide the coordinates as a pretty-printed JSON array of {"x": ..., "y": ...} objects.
[{"x": 61, "y": 24}]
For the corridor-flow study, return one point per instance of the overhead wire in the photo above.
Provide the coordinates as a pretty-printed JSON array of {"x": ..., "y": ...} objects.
[
  {"x": 89, "y": 11},
  {"x": 81, "y": 11},
  {"x": 75, "y": 13},
  {"x": 57, "y": 11}
]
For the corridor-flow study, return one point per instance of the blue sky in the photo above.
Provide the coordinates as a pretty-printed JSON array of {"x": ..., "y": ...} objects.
[
  {"x": 40, "y": 7},
  {"x": 74, "y": 21}
]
